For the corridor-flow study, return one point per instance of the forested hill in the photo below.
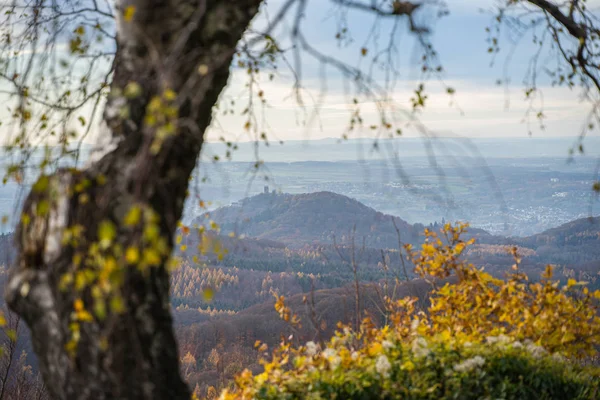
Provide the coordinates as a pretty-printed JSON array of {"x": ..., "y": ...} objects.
[
  {"x": 310, "y": 218},
  {"x": 582, "y": 231},
  {"x": 574, "y": 242},
  {"x": 322, "y": 217}
]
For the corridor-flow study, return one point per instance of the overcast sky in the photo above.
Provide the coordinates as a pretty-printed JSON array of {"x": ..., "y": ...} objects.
[{"x": 481, "y": 108}]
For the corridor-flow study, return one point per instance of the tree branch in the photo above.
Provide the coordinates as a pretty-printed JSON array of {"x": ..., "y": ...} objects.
[{"x": 576, "y": 30}]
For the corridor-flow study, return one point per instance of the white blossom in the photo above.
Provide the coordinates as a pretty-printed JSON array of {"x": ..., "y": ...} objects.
[
  {"x": 329, "y": 352},
  {"x": 517, "y": 345},
  {"x": 332, "y": 356},
  {"x": 383, "y": 366},
  {"x": 500, "y": 339},
  {"x": 420, "y": 347},
  {"x": 311, "y": 348},
  {"x": 387, "y": 344},
  {"x": 535, "y": 350},
  {"x": 335, "y": 362},
  {"x": 470, "y": 364},
  {"x": 414, "y": 325}
]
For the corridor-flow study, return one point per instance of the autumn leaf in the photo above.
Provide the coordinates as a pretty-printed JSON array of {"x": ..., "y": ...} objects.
[
  {"x": 208, "y": 294},
  {"x": 133, "y": 216},
  {"x": 129, "y": 13},
  {"x": 132, "y": 255},
  {"x": 106, "y": 233}
]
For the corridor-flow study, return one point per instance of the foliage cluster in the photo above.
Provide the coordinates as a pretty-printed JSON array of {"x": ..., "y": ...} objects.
[
  {"x": 386, "y": 369},
  {"x": 480, "y": 337}
]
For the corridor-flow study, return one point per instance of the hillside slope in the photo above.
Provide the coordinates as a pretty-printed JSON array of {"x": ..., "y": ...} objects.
[
  {"x": 574, "y": 242},
  {"x": 322, "y": 217},
  {"x": 582, "y": 231}
]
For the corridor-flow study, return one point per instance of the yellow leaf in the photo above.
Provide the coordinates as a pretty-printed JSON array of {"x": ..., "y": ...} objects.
[
  {"x": 208, "y": 294},
  {"x": 77, "y": 259},
  {"x": 84, "y": 316},
  {"x": 78, "y": 305},
  {"x": 133, "y": 216},
  {"x": 12, "y": 335},
  {"x": 151, "y": 232},
  {"x": 25, "y": 219},
  {"x": 106, "y": 233},
  {"x": 42, "y": 208},
  {"x": 128, "y": 13},
  {"x": 151, "y": 257},
  {"x": 116, "y": 304},
  {"x": 169, "y": 95},
  {"x": 41, "y": 185},
  {"x": 132, "y": 90},
  {"x": 375, "y": 349},
  {"x": 132, "y": 255},
  {"x": 408, "y": 366},
  {"x": 110, "y": 264}
]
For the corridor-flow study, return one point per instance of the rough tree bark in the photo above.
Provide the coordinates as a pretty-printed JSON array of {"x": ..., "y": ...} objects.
[{"x": 163, "y": 47}]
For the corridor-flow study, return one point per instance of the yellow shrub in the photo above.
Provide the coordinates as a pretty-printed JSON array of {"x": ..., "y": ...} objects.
[
  {"x": 479, "y": 305},
  {"x": 481, "y": 337}
]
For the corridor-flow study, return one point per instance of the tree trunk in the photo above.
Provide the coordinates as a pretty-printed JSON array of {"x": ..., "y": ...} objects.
[{"x": 179, "y": 52}]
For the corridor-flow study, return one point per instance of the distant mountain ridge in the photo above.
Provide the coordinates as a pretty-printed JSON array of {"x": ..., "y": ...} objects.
[
  {"x": 576, "y": 242},
  {"x": 312, "y": 218},
  {"x": 577, "y": 232},
  {"x": 325, "y": 218},
  {"x": 321, "y": 217}
]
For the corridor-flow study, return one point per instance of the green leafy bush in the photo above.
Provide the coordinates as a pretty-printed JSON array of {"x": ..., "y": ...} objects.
[{"x": 421, "y": 370}]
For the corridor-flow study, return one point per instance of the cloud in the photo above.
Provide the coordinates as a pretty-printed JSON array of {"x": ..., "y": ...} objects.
[{"x": 478, "y": 110}]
